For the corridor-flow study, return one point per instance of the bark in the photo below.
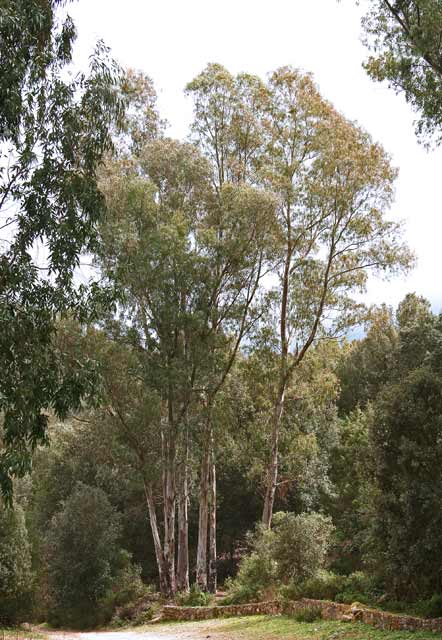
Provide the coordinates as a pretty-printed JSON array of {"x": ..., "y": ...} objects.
[
  {"x": 169, "y": 524},
  {"x": 159, "y": 555},
  {"x": 212, "y": 577},
  {"x": 183, "y": 531},
  {"x": 272, "y": 472},
  {"x": 201, "y": 558}
]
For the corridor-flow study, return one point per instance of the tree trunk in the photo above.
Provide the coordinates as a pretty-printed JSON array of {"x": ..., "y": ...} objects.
[
  {"x": 169, "y": 525},
  {"x": 183, "y": 531},
  {"x": 169, "y": 495},
  {"x": 201, "y": 557},
  {"x": 212, "y": 578},
  {"x": 272, "y": 471},
  {"x": 161, "y": 564}
]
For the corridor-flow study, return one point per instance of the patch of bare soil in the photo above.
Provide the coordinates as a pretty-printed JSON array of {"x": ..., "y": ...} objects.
[{"x": 180, "y": 631}]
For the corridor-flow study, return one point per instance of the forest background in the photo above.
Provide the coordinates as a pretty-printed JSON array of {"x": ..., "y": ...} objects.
[{"x": 204, "y": 378}]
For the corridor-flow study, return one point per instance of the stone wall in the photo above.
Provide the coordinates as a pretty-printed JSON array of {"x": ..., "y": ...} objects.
[
  {"x": 330, "y": 611},
  {"x": 380, "y": 619},
  {"x": 227, "y": 611}
]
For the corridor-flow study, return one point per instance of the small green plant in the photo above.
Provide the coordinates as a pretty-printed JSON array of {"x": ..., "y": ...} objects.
[
  {"x": 308, "y": 614},
  {"x": 256, "y": 577},
  {"x": 325, "y": 585},
  {"x": 194, "y": 598},
  {"x": 431, "y": 608},
  {"x": 358, "y": 587}
]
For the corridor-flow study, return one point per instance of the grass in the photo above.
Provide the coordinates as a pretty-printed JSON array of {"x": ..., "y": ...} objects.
[{"x": 275, "y": 627}]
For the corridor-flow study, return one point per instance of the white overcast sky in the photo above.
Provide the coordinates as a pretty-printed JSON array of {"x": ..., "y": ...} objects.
[{"x": 173, "y": 40}]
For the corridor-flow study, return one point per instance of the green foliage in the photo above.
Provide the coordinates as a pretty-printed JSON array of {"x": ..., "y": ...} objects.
[
  {"x": 16, "y": 579},
  {"x": 127, "y": 592},
  {"x": 431, "y": 608},
  {"x": 358, "y": 587},
  {"x": 350, "y": 477},
  {"x": 256, "y": 576},
  {"x": 406, "y": 525},
  {"x": 83, "y": 558},
  {"x": 299, "y": 544},
  {"x": 325, "y": 585},
  {"x": 55, "y": 130},
  {"x": 404, "y": 36},
  {"x": 293, "y": 550},
  {"x": 365, "y": 365},
  {"x": 194, "y": 598},
  {"x": 309, "y": 614}
]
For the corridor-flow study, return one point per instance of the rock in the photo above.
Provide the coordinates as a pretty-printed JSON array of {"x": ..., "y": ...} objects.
[{"x": 347, "y": 618}]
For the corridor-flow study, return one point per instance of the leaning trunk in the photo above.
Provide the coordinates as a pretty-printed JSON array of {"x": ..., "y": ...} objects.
[
  {"x": 159, "y": 555},
  {"x": 272, "y": 470}
]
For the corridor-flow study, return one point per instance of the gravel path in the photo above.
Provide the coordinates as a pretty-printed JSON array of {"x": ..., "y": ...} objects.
[{"x": 182, "y": 631}]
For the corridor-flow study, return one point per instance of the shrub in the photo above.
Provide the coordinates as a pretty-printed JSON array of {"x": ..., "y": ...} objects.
[
  {"x": 431, "y": 608},
  {"x": 308, "y": 614},
  {"x": 294, "y": 549},
  {"x": 348, "y": 597},
  {"x": 325, "y": 585},
  {"x": 358, "y": 587},
  {"x": 125, "y": 597},
  {"x": 256, "y": 576},
  {"x": 82, "y": 558},
  {"x": 299, "y": 544},
  {"x": 194, "y": 598},
  {"x": 15, "y": 567}
]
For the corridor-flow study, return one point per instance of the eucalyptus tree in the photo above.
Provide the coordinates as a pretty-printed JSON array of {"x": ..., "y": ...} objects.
[
  {"x": 227, "y": 131},
  {"x": 333, "y": 186},
  {"x": 55, "y": 130},
  {"x": 404, "y": 37},
  {"x": 174, "y": 248}
]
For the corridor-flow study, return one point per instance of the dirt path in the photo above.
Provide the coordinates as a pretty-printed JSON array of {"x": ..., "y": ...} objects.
[{"x": 181, "y": 631}]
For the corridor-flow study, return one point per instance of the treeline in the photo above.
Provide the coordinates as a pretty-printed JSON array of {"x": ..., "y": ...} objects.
[
  {"x": 202, "y": 375},
  {"x": 255, "y": 235},
  {"x": 360, "y": 486}
]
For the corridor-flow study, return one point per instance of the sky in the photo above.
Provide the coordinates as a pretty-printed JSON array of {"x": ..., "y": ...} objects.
[{"x": 173, "y": 40}]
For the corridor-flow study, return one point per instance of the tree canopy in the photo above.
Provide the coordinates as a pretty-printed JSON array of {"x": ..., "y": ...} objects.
[{"x": 54, "y": 133}]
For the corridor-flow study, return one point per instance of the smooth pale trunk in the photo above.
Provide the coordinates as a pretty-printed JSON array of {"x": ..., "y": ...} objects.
[
  {"x": 212, "y": 578},
  {"x": 159, "y": 555},
  {"x": 169, "y": 525},
  {"x": 201, "y": 557},
  {"x": 272, "y": 472},
  {"x": 183, "y": 534}
]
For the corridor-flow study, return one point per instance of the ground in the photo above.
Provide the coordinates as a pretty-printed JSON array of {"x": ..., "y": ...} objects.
[{"x": 250, "y": 628}]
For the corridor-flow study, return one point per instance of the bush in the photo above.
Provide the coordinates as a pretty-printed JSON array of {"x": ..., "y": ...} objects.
[
  {"x": 125, "y": 599},
  {"x": 308, "y": 614},
  {"x": 358, "y": 587},
  {"x": 15, "y": 567},
  {"x": 294, "y": 549},
  {"x": 325, "y": 585},
  {"x": 194, "y": 598},
  {"x": 348, "y": 597},
  {"x": 299, "y": 544},
  {"x": 431, "y": 608},
  {"x": 256, "y": 576},
  {"x": 82, "y": 558}
]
